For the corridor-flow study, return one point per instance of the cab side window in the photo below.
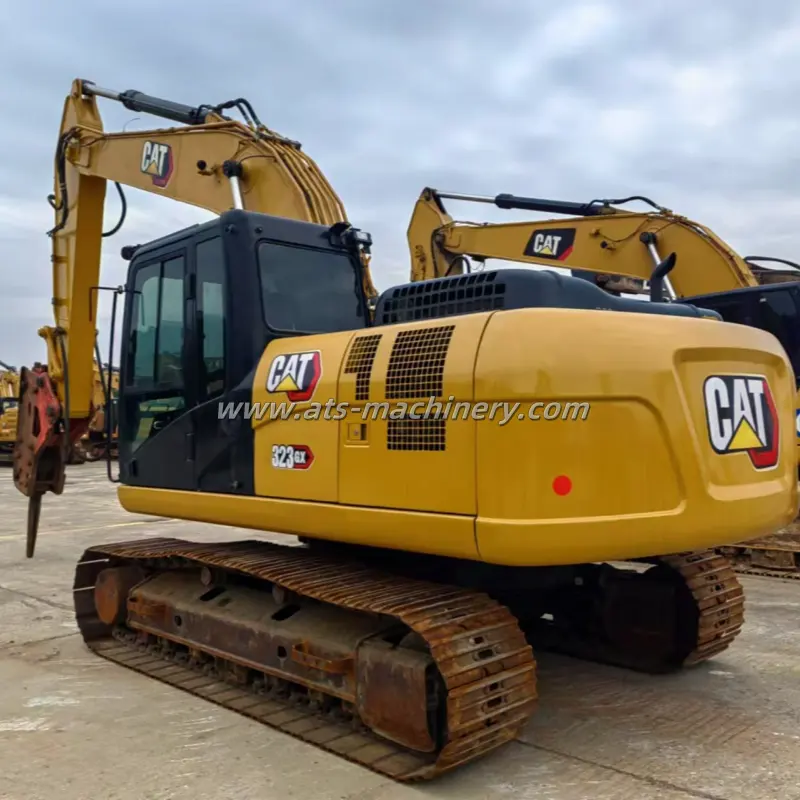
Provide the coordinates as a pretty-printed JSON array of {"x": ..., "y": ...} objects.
[
  {"x": 156, "y": 393},
  {"x": 211, "y": 328},
  {"x": 157, "y": 335}
]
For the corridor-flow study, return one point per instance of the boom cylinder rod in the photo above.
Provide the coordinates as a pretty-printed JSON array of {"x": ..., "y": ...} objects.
[
  {"x": 134, "y": 100},
  {"x": 510, "y": 201}
]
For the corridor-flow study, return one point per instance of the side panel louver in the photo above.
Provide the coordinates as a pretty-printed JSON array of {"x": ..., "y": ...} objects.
[
  {"x": 359, "y": 362},
  {"x": 416, "y": 372}
]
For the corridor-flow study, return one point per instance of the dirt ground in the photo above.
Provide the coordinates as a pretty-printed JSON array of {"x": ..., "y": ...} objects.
[{"x": 75, "y": 727}]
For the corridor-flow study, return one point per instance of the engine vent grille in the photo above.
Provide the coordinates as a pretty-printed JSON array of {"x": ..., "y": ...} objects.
[
  {"x": 416, "y": 364},
  {"x": 416, "y": 434},
  {"x": 444, "y": 297},
  {"x": 416, "y": 371},
  {"x": 359, "y": 362}
]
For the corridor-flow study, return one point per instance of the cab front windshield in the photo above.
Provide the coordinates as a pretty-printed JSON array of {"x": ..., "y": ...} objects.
[{"x": 306, "y": 290}]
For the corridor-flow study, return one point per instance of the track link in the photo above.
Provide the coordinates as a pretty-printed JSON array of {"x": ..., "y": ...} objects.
[
  {"x": 487, "y": 667},
  {"x": 718, "y": 597},
  {"x": 774, "y": 556},
  {"x": 763, "y": 572}
]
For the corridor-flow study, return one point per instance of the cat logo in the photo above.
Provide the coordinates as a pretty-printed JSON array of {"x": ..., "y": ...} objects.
[
  {"x": 157, "y": 161},
  {"x": 555, "y": 244},
  {"x": 742, "y": 418},
  {"x": 297, "y": 374}
]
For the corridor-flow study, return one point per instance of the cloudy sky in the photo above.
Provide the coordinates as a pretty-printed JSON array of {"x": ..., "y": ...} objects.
[{"x": 693, "y": 104}]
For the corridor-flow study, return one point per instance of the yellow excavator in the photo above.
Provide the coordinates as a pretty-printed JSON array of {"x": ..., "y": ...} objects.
[
  {"x": 9, "y": 394},
  {"x": 101, "y": 437},
  {"x": 440, "y": 548},
  {"x": 621, "y": 251}
]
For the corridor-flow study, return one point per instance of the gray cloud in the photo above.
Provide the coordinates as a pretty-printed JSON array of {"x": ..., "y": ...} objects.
[{"x": 691, "y": 104}]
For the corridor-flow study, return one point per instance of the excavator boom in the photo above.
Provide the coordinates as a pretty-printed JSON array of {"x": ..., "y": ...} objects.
[
  {"x": 597, "y": 236},
  {"x": 211, "y": 162}
]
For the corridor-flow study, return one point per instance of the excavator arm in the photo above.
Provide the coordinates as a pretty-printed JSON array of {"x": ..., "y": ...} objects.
[
  {"x": 596, "y": 237},
  {"x": 210, "y": 161}
]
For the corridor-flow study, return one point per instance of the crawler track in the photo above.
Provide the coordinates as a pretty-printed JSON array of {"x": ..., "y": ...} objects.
[
  {"x": 776, "y": 556},
  {"x": 487, "y": 667},
  {"x": 718, "y": 597},
  {"x": 685, "y": 609}
]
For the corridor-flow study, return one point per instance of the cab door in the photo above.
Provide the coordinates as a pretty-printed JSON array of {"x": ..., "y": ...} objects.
[
  {"x": 222, "y": 447},
  {"x": 155, "y": 429}
]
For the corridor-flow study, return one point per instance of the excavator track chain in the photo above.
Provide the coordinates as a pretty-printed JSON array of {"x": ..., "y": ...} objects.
[
  {"x": 776, "y": 556},
  {"x": 127, "y": 594},
  {"x": 718, "y": 597},
  {"x": 682, "y": 610}
]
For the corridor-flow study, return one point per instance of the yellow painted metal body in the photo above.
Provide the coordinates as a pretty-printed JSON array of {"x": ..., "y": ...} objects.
[
  {"x": 608, "y": 244},
  {"x": 645, "y": 479}
]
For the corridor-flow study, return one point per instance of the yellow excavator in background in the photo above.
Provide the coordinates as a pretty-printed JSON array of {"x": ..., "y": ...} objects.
[
  {"x": 257, "y": 390},
  {"x": 9, "y": 396},
  {"x": 621, "y": 251},
  {"x": 101, "y": 437}
]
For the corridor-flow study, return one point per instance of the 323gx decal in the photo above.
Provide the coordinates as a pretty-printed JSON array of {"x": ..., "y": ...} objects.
[
  {"x": 292, "y": 456},
  {"x": 742, "y": 418}
]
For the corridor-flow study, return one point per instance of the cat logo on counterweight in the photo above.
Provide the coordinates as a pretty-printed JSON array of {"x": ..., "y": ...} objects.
[
  {"x": 157, "y": 162},
  {"x": 554, "y": 243},
  {"x": 296, "y": 374},
  {"x": 741, "y": 417}
]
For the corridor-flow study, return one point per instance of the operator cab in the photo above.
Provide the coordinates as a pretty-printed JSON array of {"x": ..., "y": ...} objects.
[
  {"x": 773, "y": 308},
  {"x": 201, "y": 305}
]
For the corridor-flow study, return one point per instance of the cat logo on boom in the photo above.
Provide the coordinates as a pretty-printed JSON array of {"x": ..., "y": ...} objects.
[
  {"x": 296, "y": 374},
  {"x": 554, "y": 243},
  {"x": 157, "y": 162},
  {"x": 741, "y": 417}
]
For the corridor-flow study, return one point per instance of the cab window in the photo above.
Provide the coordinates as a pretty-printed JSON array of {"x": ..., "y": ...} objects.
[
  {"x": 155, "y": 383},
  {"x": 305, "y": 290},
  {"x": 157, "y": 335},
  {"x": 210, "y": 266}
]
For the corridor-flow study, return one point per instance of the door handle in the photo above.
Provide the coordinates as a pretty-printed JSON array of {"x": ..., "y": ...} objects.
[{"x": 189, "y": 446}]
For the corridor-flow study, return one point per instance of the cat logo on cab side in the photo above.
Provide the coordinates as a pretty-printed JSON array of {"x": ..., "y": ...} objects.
[
  {"x": 296, "y": 374},
  {"x": 741, "y": 418}
]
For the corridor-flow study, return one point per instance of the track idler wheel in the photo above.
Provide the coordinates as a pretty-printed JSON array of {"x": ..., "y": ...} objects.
[{"x": 112, "y": 590}]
